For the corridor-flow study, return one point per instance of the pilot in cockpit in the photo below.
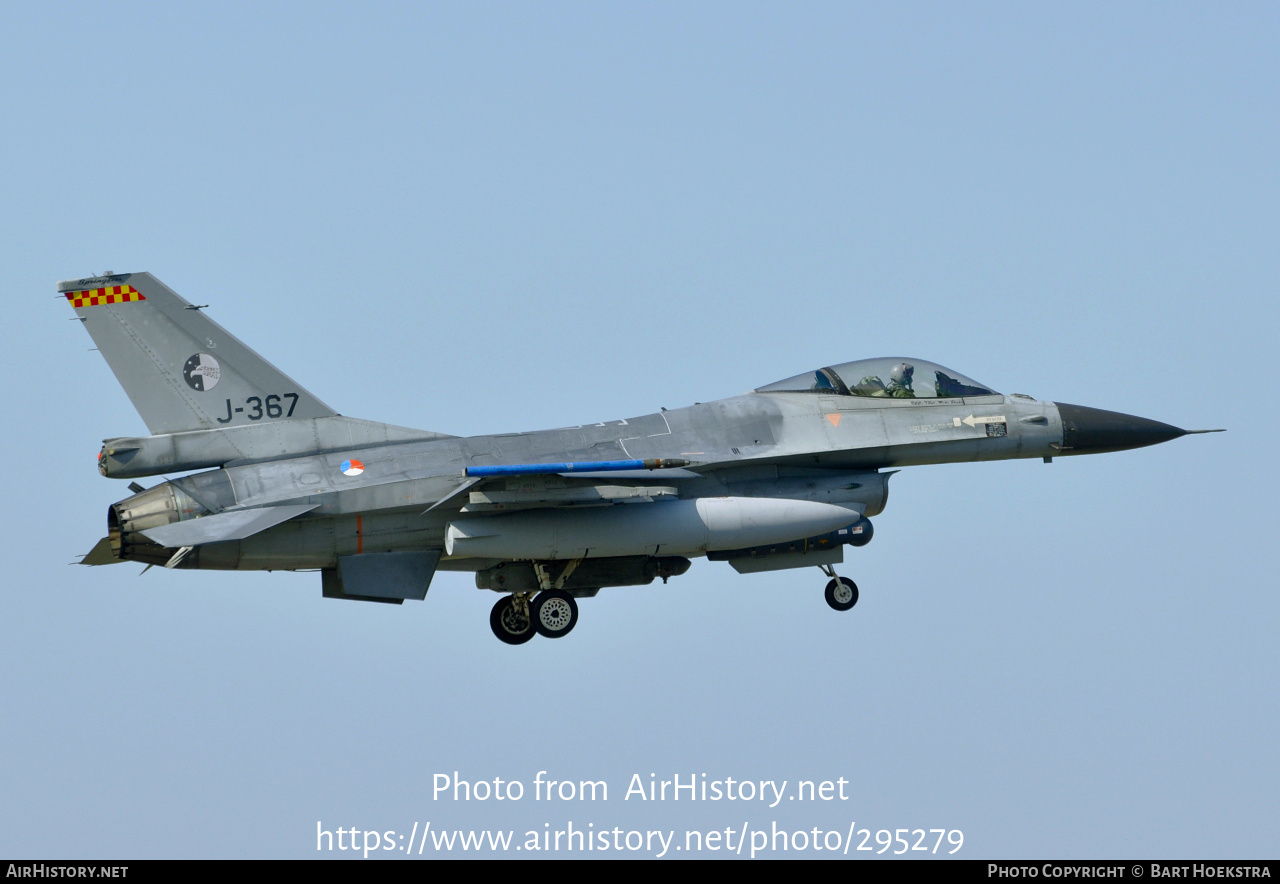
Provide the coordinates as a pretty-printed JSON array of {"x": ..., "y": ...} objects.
[
  {"x": 899, "y": 386},
  {"x": 900, "y": 377}
]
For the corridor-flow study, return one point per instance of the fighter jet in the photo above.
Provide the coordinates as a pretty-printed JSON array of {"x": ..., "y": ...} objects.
[{"x": 785, "y": 476}]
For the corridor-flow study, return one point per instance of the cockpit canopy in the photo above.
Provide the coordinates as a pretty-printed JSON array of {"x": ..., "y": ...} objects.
[{"x": 884, "y": 378}]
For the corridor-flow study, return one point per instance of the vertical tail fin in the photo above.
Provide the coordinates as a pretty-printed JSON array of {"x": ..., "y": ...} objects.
[{"x": 181, "y": 369}]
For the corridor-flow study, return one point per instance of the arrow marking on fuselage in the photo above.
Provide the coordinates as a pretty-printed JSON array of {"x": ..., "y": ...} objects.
[{"x": 974, "y": 421}]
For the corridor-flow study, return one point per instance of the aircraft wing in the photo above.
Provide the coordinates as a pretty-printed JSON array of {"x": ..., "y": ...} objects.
[
  {"x": 229, "y": 525},
  {"x": 556, "y": 491},
  {"x": 525, "y": 486}
]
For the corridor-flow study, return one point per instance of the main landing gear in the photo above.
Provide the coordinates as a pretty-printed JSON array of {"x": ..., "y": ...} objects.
[
  {"x": 551, "y": 613},
  {"x": 510, "y": 620},
  {"x": 842, "y": 593}
]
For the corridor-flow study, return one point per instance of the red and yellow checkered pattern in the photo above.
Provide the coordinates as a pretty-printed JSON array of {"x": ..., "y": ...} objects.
[{"x": 112, "y": 294}]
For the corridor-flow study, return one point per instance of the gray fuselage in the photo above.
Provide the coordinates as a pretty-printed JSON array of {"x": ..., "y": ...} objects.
[{"x": 770, "y": 445}]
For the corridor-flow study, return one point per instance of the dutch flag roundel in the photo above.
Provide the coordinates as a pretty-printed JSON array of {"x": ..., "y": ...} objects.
[{"x": 351, "y": 467}]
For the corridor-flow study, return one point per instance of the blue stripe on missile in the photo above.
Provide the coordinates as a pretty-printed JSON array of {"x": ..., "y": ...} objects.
[{"x": 535, "y": 469}]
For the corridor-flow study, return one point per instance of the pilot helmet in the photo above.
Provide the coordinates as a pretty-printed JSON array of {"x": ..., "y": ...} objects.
[{"x": 902, "y": 372}]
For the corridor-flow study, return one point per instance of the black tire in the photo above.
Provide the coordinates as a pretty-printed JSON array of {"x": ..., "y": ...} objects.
[
  {"x": 506, "y": 625},
  {"x": 842, "y": 593},
  {"x": 554, "y": 613}
]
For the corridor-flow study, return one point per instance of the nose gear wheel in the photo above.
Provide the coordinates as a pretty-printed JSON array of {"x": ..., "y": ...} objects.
[{"x": 842, "y": 593}]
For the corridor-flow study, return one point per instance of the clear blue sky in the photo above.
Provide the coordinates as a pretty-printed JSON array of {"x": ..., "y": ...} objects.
[{"x": 481, "y": 218}]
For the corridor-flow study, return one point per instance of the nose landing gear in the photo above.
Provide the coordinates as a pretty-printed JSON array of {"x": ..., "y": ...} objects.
[{"x": 842, "y": 593}]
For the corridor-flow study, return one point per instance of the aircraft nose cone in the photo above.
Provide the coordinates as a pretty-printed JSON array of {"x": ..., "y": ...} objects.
[{"x": 1093, "y": 431}]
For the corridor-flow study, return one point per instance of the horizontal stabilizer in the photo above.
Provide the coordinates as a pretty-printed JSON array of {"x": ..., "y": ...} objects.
[
  {"x": 231, "y": 525},
  {"x": 101, "y": 554}
]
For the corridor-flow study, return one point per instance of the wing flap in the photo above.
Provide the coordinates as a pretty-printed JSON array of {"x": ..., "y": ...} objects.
[{"x": 229, "y": 525}]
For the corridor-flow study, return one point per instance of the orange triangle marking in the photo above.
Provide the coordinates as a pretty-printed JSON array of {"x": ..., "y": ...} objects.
[{"x": 834, "y": 418}]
